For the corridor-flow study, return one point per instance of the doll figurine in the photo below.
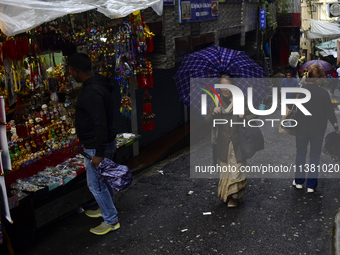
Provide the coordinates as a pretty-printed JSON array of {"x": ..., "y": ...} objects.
[
  {"x": 72, "y": 136},
  {"x": 16, "y": 148},
  {"x": 55, "y": 147},
  {"x": 11, "y": 154},
  {"x": 35, "y": 157},
  {"x": 23, "y": 150},
  {"x": 32, "y": 131},
  {"x": 33, "y": 146},
  {"x": 38, "y": 140},
  {"x": 13, "y": 131},
  {"x": 28, "y": 148},
  {"x": 15, "y": 165},
  {"x": 30, "y": 123},
  {"x": 43, "y": 138},
  {"x": 67, "y": 143}
]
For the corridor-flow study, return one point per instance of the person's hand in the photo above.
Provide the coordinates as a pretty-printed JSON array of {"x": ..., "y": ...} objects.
[
  {"x": 217, "y": 110},
  {"x": 96, "y": 161},
  {"x": 338, "y": 131}
]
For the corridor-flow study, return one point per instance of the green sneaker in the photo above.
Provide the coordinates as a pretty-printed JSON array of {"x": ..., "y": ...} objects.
[
  {"x": 94, "y": 213},
  {"x": 104, "y": 228}
]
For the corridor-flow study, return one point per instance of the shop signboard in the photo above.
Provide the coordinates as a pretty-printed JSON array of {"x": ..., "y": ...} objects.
[
  {"x": 334, "y": 9},
  {"x": 197, "y": 10},
  {"x": 168, "y": 2},
  {"x": 262, "y": 18}
]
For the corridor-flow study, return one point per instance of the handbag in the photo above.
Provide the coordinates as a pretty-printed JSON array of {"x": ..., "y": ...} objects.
[
  {"x": 332, "y": 145},
  {"x": 252, "y": 140},
  {"x": 289, "y": 125},
  {"x": 290, "y": 119}
]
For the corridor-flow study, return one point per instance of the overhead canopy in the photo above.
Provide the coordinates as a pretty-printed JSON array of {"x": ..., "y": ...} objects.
[
  {"x": 18, "y": 16},
  {"x": 321, "y": 29},
  {"x": 328, "y": 48}
]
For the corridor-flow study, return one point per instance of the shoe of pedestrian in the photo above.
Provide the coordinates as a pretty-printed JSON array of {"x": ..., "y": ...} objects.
[
  {"x": 298, "y": 186},
  {"x": 94, "y": 213},
  {"x": 309, "y": 190},
  {"x": 104, "y": 228},
  {"x": 232, "y": 203}
]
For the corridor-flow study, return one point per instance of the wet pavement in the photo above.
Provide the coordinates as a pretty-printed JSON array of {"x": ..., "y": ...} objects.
[{"x": 157, "y": 215}]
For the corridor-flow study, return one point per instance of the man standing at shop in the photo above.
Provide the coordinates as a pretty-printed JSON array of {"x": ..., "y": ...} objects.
[{"x": 96, "y": 132}]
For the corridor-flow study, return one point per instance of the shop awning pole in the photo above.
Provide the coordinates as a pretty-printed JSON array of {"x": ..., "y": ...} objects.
[{"x": 134, "y": 121}]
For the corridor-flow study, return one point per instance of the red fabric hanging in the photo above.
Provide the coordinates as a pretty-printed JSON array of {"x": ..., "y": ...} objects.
[
  {"x": 25, "y": 46},
  {"x": 32, "y": 48},
  {"x": 4, "y": 50},
  {"x": 151, "y": 45},
  {"x": 18, "y": 47},
  {"x": 1, "y": 55},
  {"x": 12, "y": 51}
]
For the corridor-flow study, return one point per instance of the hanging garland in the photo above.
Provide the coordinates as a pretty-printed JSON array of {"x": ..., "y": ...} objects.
[{"x": 143, "y": 69}]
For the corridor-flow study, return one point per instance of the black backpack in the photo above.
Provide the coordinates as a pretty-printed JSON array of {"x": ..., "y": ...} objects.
[{"x": 332, "y": 145}]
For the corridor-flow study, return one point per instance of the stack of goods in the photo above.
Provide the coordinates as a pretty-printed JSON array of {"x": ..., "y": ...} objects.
[
  {"x": 34, "y": 134},
  {"x": 51, "y": 177},
  {"x": 38, "y": 89}
]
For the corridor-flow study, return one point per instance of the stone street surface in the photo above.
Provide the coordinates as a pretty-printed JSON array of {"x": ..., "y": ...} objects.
[{"x": 157, "y": 215}]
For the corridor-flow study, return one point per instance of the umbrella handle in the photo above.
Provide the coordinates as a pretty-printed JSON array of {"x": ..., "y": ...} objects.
[{"x": 84, "y": 154}]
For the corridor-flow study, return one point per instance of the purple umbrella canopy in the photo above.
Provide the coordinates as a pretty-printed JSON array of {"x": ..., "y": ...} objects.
[
  {"x": 117, "y": 176},
  {"x": 327, "y": 67},
  {"x": 213, "y": 62}
]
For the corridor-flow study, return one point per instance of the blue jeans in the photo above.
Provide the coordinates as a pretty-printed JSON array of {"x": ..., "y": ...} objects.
[
  {"x": 102, "y": 193},
  {"x": 302, "y": 142}
]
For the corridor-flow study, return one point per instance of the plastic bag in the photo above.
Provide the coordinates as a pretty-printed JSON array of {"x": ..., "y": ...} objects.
[{"x": 17, "y": 16}]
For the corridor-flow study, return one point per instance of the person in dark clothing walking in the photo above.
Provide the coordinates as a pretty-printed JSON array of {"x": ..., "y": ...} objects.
[
  {"x": 311, "y": 129},
  {"x": 289, "y": 81},
  {"x": 95, "y": 129},
  {"x": 333, "y": 81}
]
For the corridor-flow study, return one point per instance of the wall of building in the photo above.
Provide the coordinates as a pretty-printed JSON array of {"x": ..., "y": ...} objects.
[
  {"x": 237, "y": 21},
  {"x": 312, "y": 10},
  {"x": 234, "y": 18}
]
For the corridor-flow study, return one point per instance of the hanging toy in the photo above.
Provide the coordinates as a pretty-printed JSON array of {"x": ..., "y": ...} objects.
[
  {"x": 148, "y": 36},
  {"x": 149, "y": 74},
  {"x": 125, "y": 106},
  {"x": 147, "y": 102},
  {"x": 148, "y": 122}
]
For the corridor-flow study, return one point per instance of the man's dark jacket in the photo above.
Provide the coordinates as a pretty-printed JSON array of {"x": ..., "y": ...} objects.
[{"x": 94, "y": 114}]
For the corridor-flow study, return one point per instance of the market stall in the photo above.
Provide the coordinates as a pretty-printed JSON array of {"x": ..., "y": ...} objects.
[{"x": 38, "y": 95}]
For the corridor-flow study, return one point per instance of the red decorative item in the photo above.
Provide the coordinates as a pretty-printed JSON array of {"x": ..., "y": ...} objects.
[
  {"x": 11, "y": 47},
  {"x": 24, "y": 44},
  {"x": 32, "y": 49},
  {"x": 5, "y": 50}
]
